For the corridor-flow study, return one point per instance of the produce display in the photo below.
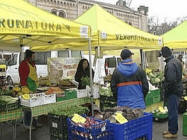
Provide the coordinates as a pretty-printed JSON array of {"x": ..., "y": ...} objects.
[
  {"x": 156, "y": 78},
  {"x": 87, "y": 128},
  {"x": 69, "y": 112},
  {"x": 44, "y": 81},
  {"x": 8, "y": 103},
  {"x": 6, "y": 91},
  {"x": 85, "y": 81},
  {"x": 105, "y": 91},
  {"x": 108, "y": 78},
  {"x": 54, "y": 90},
  {"x": 160, "y": 114},
  {"x": 128, "y": 113},
  {"x": 66, "y": 83}
]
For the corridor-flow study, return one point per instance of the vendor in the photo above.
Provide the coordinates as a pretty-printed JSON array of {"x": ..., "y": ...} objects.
[
  {"x": 83, "y": 72},
  {"x": 28, "y": 79},
  {"x": 27, "y": 72}
]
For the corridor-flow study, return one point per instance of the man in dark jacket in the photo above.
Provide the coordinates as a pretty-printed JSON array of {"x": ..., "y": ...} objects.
[
  {"x": 173, "y": 90},
  {"x": 129, "y": 83}
]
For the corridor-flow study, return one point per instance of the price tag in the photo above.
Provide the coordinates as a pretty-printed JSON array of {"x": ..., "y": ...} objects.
[
  {"x": 185, "y": 98},
  {"x": 78, "y": 119},
  {"x": 119, "y": 117}
]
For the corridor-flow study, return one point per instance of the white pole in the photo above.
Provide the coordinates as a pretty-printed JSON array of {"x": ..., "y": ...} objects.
[{"x": 91, "y": 81}]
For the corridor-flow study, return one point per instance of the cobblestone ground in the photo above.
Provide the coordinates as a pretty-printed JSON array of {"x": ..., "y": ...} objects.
[{"x": 43, "y": 132}]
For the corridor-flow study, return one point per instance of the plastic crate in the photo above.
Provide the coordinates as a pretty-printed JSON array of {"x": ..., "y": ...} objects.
[
  {"x": 133, "y": 129},
  {"x": 58, "y": 127},
  {"x": 96, "y": 132},
  {"x": 9, "y": 107},
  {"x": 35, "y": 100},
  {"x": 184, "y": 124},
  {"x": 60, "y": 98},
  {"x": 48, "y": 99},
  {"x": 153, "y": 97},
  {"x": 107, "y": 102},
  {"x": 82, "y": 93},
  {"x": 70, "y": 94},
  {"x": 159, "y": 117}
]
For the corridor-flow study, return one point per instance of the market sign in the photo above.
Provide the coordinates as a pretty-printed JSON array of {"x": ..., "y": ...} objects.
[
  {"x": 33, "y": 26},
  {"x": 134, "y": 37}
]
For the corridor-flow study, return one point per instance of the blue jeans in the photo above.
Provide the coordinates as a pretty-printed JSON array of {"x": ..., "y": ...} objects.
[{"x": 172, "y": 104}]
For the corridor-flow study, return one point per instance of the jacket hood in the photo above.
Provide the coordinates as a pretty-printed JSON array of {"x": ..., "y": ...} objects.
[{"x": 126, "y": 68}]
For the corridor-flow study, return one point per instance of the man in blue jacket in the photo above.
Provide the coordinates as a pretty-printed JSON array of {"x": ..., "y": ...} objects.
[
  {"x": 129, "y": 82},
  {"x": 173, "y": 90}
]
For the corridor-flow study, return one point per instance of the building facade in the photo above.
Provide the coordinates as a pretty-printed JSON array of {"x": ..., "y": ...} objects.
[{"x": 71, "y": 9}]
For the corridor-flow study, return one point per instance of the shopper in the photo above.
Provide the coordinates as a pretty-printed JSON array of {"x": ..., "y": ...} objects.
[
  {"x": 28, "y": 79},
  {"x": 173, "y": 90},
  {"x": 83, "y": 74},
  {"x": 129, "y": 83}
]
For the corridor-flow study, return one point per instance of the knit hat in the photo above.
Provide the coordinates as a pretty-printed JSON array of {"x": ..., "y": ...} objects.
[
  {"x": 166, "y": 52},
  {"x": 125, "y": 53}
]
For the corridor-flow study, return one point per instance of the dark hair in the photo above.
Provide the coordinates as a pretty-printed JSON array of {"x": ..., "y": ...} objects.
[
  {"x": 126, "y": 53},
  {"x": 166, "y": 51},
  {"x": 80, "y": 65},
  {"x": 28, "y": 53}
]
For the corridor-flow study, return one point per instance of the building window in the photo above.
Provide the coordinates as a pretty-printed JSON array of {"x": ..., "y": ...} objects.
[
  {"x": 54, "y": 11},
  {"x": 62, "y": 14}
]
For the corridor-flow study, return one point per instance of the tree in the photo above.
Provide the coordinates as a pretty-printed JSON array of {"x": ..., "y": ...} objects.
[{"x": 157, "y": 28}]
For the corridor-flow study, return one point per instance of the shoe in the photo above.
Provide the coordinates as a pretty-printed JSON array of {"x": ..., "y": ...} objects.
[
  {"x": 169, "y": 135},
  {"x": 165, "y": 132}
]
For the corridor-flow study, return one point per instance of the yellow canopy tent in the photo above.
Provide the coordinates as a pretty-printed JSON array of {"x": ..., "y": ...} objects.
[
  {"x": 110, "y": 32},
  {"x": 23, "y": 24},
  {"x": 177, "y": 37}
]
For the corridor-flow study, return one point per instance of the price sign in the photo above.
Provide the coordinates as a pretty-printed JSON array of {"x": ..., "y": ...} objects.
[
  {"x": 119, "y": 117},
  {"x": 78, "y": 119}
]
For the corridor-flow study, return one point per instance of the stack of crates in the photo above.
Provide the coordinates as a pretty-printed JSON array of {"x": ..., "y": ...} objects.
[
  {"x": 58, "y": 127},
  {"x": 185, "y": 124}
]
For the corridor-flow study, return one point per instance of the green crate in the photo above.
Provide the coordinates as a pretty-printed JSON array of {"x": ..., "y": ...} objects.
[
  {"x": 148, "y": 100},
  {"x": 58, "y": 99},
  {"x": 70, "y": 94},
  {"x": 185, "y": 124},
  {"x": 152, "y": 97},
  {"x": 155, "y": 96}
]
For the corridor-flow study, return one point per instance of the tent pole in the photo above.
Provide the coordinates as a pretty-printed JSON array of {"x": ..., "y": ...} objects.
[
  {"x": 91, "y": 79},
  {"x": 141, "y": 55}
]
